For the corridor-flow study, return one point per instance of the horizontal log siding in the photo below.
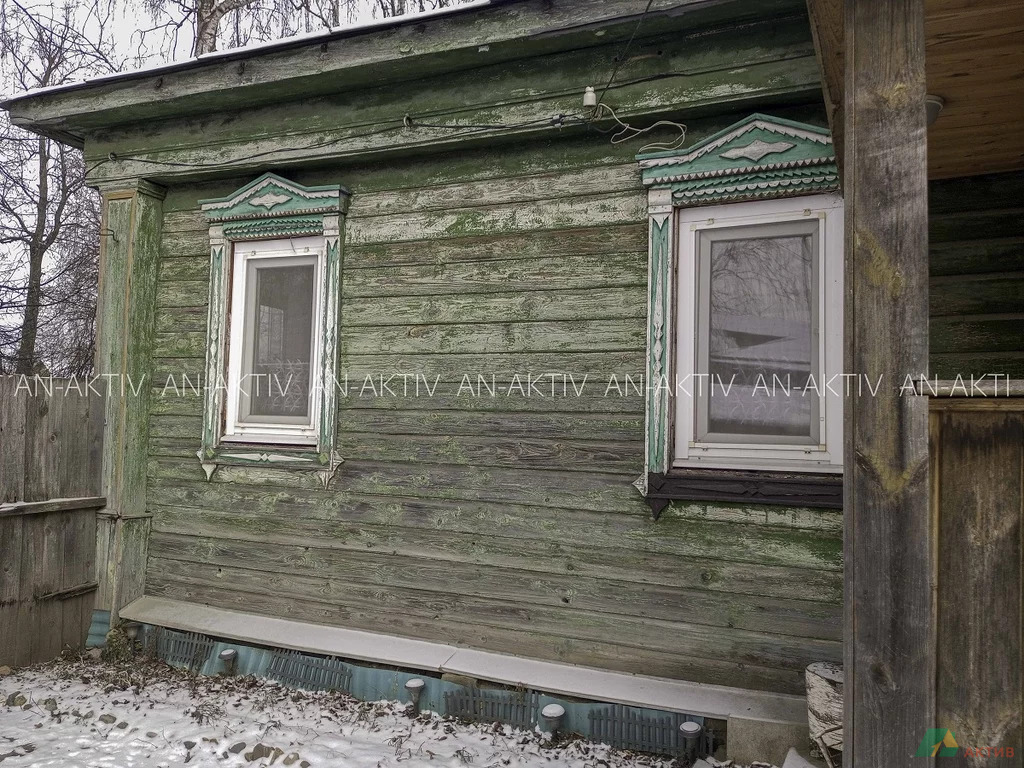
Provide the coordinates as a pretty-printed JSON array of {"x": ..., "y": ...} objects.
[
  {"x": 506, "y": 523},
  {"x": 977, "y": 276}
]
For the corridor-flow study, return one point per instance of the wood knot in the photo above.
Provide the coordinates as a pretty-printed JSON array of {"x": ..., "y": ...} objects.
[{"x": 881, "y": 675}]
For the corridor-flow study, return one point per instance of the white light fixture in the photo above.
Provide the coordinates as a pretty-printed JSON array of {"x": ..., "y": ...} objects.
[
  {"x": 932, "y": 106},
  {"x": 552, "y": 716},
  {"x": 415, "y": 688}
]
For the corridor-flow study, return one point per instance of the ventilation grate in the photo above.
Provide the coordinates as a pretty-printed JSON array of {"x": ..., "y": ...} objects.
[
  {"x": 180, "y": 649},
  {"x": 312, "y": 673},
  {"x": 518, "y": 708},
  {"x": 625, "y": 728}
]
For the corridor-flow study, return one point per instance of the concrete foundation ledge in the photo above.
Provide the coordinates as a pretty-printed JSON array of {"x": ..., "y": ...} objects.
[{"x": 761, "y": 725}]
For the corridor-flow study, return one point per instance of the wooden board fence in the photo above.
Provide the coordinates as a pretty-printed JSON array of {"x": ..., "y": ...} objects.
[
  {"x": 50, "y": 439},
  {"x": 977, "y": 458},
  {"x": 50, "y": 462}
]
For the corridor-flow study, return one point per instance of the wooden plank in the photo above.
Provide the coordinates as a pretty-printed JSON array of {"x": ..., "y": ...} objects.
[
  {"x": 979, "y": 459},
  {"x": 591, "y": 302},
  {"x": 79, "y": 568},
  {"x": 11, "y": 553},
  {"x": 38, "y": 460},
  {"x": 466, "y": 338},
  {"x": 507, "y": 276},
  {"x": 890, "y": 630},
  {"x": 501, "y": 191},
  {"x": 185, "y": 255},
  {"x": 976, "y": 225},
  {"x": 992, "y": 293},
  {"x": 532, "y": 551},
  {"x": 550, "y": 425},
  {"x": 569, "y": 455},
  {"x": 452, "y": 367},
  {"x": 518, "y": 640},
  {"x": 51, "y": 505},
  {"x": 826, "y": 17},
  {"x": 607, "y": 208},
  {"x": 364, "y": 574},
  {"x": 980, "y": 333},
  {"x": 183, "y": 399},
  {"x": 12, "y": 440},
  {"x": 978, "y": 193},
  {"x": 459, "y": 530},
  {"x": 440, "y": 617},
  {"x": 949, "y": 365},
  {"x": 978, "y": 256}
]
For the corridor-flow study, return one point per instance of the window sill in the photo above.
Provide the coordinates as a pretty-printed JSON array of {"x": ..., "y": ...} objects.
[
  {"x": 792, "y": 489},
  {"x": 266, "y": 455}
]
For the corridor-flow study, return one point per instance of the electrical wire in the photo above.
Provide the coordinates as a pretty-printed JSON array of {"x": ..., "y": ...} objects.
[
  {"x": 625, "y": 52},
  {"x": 407, "y": 122},
  {"x": 625, "y": 131},
  {"x": 410, "y": 122}
]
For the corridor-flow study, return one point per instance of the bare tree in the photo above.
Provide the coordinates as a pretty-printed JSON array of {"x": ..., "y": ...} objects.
[
  {"x": 247, "y": 21},
  {"x": 45, "y": 210}
]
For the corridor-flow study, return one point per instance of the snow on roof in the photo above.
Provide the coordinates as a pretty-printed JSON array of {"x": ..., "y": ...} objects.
[{"x": 227, "y": 54}]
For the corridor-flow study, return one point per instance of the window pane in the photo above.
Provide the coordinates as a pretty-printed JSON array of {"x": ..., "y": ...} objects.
[
  {"x": 281, "y": 335},
  {"x": 759, "y": 332}
]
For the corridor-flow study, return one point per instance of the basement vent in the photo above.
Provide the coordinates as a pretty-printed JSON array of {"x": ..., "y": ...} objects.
[
  {"x": 625, "y": 728},
  {"x": 312, "y": 673},
  {"x": 180, "y": 649},
  {"x": 518, "y": 708}
]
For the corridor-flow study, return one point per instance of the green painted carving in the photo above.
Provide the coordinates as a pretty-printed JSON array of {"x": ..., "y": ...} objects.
[
  {"x": 759, "y": 157},
  {"x": 213, "y": 401},
  {"x": 329, "y": 340},
  {"x": 268, "y": 229},
  {"x": 271, "y": 208},
  {"x": 270, "y": 196},
  {"x": 659, "y": 314}
]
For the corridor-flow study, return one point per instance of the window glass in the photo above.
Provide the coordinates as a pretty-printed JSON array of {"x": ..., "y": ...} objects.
[
  {"x": 757, "y": 331},
  {"x": 278, "y": 335}
]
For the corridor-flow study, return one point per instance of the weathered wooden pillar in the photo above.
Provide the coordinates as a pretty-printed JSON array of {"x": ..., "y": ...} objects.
[
  {"x": 129, "y": 251},
  {"x": 890, "y": 635}
]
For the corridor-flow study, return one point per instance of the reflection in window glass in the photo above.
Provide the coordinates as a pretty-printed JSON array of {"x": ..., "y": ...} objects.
[
  {"x": 757, "y": 333},
  {"x": 281, "y": 339}
]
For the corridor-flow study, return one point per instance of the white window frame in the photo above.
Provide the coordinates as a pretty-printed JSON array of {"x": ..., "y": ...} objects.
[
  {"x": 827, "y": 456},
  {"x": 251, "y": 431}
]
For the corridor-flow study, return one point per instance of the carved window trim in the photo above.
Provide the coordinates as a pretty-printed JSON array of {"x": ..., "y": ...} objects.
[
  {"x": 273, "y": 208},
  {"x": 758, "y": 158}
]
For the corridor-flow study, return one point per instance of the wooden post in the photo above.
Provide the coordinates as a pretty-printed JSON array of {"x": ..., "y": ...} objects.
[
  {"x": 129, "y": 250},
  {"x": 890, "y": 633}
]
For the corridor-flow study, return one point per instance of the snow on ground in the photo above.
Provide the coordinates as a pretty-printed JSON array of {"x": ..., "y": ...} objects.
[{"x": 87, "y": 714}]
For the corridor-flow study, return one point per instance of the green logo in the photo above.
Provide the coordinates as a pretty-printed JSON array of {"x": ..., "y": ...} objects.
[{"x": 938, "y": 742}]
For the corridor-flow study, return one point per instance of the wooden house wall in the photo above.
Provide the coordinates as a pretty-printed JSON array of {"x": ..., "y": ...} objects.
[
  {"x": 510, "y": 523},
  {"x": 505, "y": 523},
  {"x": 977, "y": 276}
]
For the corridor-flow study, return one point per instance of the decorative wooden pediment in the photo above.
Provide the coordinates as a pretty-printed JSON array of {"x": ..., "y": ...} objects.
[
  {"x": 756, "y": 158},
  {"x": 271, "y": 206}
]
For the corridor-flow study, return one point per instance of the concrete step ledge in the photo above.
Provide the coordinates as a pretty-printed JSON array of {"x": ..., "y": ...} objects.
[{"x": 714, "y": 701}]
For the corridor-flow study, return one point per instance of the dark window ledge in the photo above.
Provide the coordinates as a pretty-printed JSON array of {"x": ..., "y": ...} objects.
[{"x": 789, "y": 489}]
